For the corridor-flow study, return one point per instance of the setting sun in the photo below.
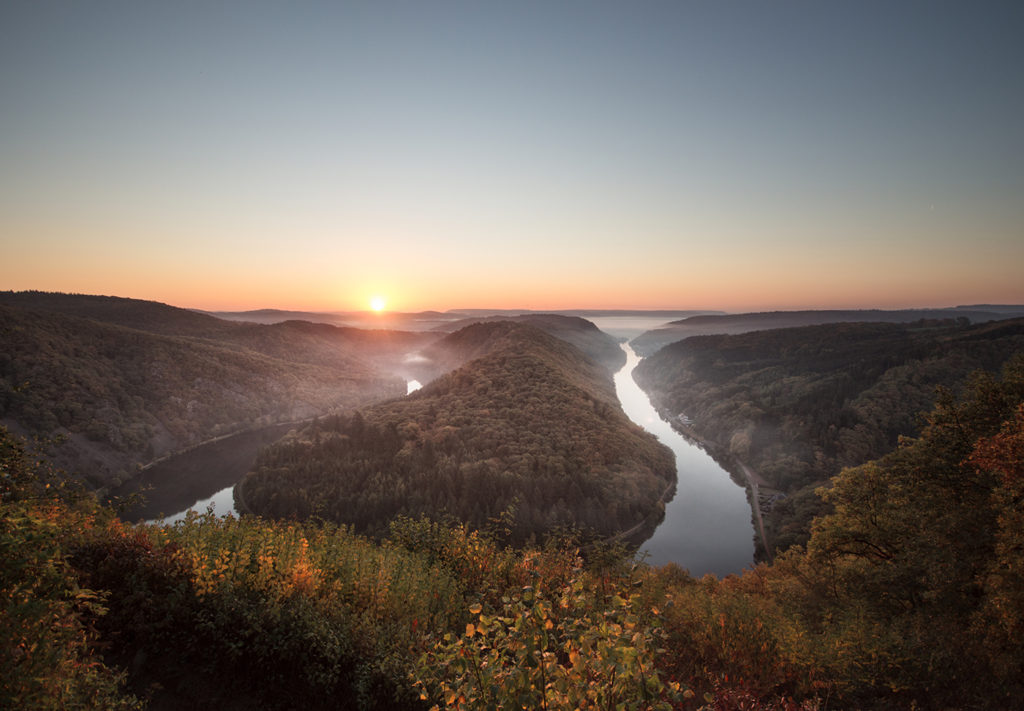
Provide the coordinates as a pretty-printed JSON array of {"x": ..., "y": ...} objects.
[{"x": 377, "y": 303}]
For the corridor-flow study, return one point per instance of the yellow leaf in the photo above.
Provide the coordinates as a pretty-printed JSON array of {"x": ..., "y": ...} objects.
[
  {"x": 475, "y": 608},
  {"x": 470, "y": 629}
]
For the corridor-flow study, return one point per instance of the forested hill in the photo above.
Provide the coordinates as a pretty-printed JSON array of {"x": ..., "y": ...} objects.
[
  {"x": 151, "y": 316},
  {"x": 291, "y": 340},
  {"x": 909, "y": 596},
  {"x": 588, "y": 338},
  {"x": 529, "y": 420},
  {"x": 731, "y": 324},
  {"x": 126, "y": 381},
  {"x": 800, "y": 404}
]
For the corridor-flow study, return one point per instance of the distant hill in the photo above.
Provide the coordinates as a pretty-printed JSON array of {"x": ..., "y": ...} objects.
[
  {"x": 706, "y": 325},
  {"x": 150, "y": 316},
  {"x": 417, "y": 321},
  {"x": 270, "y": 316},
  {"x": 583, "y": 334},
  {"x": 528, "y": 419},
  {"x": 799, "y": 404},
  {"x": 1016, "y": 310},
  {"x": 124, "y": 381},
  {"x": 287, "y": 339},
  {"x": 333, "y": 346},
  {"x": 586, "y": 313}
]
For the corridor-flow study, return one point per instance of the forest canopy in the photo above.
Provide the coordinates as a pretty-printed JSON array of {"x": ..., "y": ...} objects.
[
  {"x": 907, "y": 596},
  {"x": 530, "y": 423},
  {"x": 120, "y": 382}
]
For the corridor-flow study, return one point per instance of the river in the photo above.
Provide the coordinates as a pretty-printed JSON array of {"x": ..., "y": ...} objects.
[
  {"x": 707, "y": 526},
  {"x": 198, "y": 478}
]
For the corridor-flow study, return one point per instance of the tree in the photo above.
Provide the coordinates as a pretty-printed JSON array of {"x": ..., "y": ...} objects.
[
  {"x": 924, "y": 540},
  {"x": 1001, "y": 624}
]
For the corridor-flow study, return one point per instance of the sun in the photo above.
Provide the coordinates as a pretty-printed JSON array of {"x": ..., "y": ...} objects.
[{"x": 377, "y": 303}]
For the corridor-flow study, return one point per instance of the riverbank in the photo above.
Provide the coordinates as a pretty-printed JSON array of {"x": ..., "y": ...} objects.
[
  {"x": 649, "y": 522},
  {"x": 707, "y": 526},
  {"x": 759, "y": 493},
  {"x": 175, "y": 483}
]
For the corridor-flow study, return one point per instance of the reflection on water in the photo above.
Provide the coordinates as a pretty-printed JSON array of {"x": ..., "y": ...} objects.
[
  {"x": 221, "y": 504},
  {"x": 707, "y": 526},
  {"x": 193, "y": 479},
  {"x": 184, "y": 482}
]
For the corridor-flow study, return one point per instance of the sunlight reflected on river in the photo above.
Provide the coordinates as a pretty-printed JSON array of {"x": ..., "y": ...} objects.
[{"x": 221, "y": 504}]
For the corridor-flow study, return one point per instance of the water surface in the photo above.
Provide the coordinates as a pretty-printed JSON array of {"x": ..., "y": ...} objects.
[
  {"x": 708, "y": 526},
  {"x": 196, "y": 478}
]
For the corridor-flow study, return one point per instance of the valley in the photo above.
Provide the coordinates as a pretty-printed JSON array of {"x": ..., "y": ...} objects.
[
  {"x": 526, "y": 424},
  {"x": 402, "y": 531}
]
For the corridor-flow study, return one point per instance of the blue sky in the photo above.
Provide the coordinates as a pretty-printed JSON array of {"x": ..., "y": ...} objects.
[{"x": 539, "y": 155}]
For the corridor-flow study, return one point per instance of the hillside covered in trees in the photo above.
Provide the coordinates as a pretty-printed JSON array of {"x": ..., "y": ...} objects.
[
  {"x": 908, "y": 596},
  {"x": 121, "y": 382},
  {"x": 731, "y": 324},
  {"x": 800, "y": 404},
  {"x": 577, "y": 331},
  {"x": 529, "y": 422}
]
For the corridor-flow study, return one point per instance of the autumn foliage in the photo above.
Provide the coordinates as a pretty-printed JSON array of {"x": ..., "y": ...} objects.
[{"x": 907, "y": 596}]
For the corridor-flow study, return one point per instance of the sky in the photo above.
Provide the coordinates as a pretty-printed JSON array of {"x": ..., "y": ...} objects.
[{"x": 544, "y": 155}]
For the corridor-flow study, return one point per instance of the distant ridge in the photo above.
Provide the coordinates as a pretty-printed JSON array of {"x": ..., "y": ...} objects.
[
  {"x": 732, "y": 324},
  {"x": 270, "y": 316},
  {"x": 583, "y": 334},
  {"x": 588, "y": 313},
  {"x": 1016, "y": 309},
  {"x": 414, "y": 321}
]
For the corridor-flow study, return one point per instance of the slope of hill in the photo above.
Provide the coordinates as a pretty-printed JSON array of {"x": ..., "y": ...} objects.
[
  {"x": 332, "y": 346},
  {"x": 588, "y": 338},
  {"x": 527, "y": 421},
  {"x": 138, "y": 379},
  {"x": 288, "y": 339},
  {"x": 731, "y": 324},
  {"x": 909, "y": 596},
  {"x": 800, "y": 404},
  {"x": 270, "y": 316},
  {"x": 149, "y": 316}
]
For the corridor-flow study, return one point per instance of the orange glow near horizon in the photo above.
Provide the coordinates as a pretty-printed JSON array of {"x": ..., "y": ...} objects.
[
  {"x": 669, "y": 284},
  {"x": 627, "y": 163},
  {"x": 731, "y": 292},
  {"x": 530, "y": 276}
]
